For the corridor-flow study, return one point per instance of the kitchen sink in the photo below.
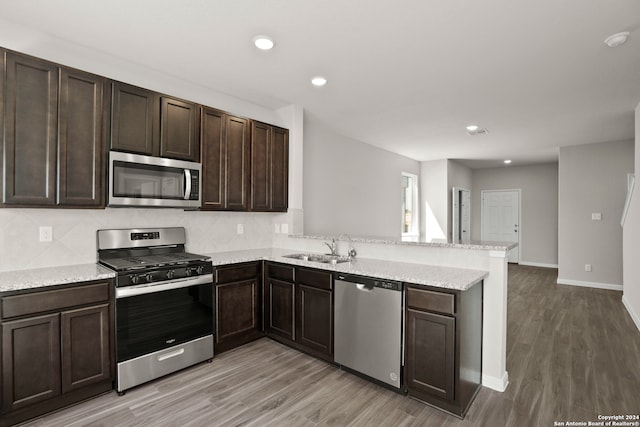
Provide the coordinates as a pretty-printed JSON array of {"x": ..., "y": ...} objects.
[{"x": 325, "y": 259}]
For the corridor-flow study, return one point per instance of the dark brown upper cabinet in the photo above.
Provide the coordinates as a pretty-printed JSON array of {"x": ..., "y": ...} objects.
[
  {"x": 54, "y": 143},
  {"x": 146, "y": 122},
  {"x": 179, "y": 130},
  {"x": 225, "y": 161},
  {"x": 269, "y": 168},
  {"x": 134, "y": 112}
]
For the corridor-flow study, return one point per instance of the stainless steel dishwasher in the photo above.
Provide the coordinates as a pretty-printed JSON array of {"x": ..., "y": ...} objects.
[{"x": 368, "y": 326}]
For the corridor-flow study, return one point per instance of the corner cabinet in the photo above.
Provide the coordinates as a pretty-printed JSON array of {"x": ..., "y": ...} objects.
[
  {"x": 269, "y": 168},
  {"x": 57, "y": 348},
  {"x": 55, "y": 130},
  {"x": 238, "y": 305},
  {"x": 153, "y": 124},
  {"x": 299, "y": 308},
  {"x": 225, "y": 161},
  {"x": 443, "y": 348}
]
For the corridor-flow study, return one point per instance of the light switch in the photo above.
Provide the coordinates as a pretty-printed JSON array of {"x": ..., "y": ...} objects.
[
  {"x": 284, "y": 229},
  {"x": 596, "y": 216},
  {"x": 277, "y": 228},
  {"x": 240, "y": 229}
]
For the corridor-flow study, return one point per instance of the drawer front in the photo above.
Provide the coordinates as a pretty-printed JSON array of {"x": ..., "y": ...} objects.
[
  {"x": 316, "y": 278},
  {"x": 281, "y": 272},
  {"x": 238, "y": 272},
  {"x": 440, "y": 302},
  {"x": 43, "y": 301}
]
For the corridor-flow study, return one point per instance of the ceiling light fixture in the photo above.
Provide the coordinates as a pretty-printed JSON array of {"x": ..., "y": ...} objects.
[
  {"x": 475, "y": 130},
  {"x": 318, "y": 81},
  {"x": 472, "y": 128},
  {"x": 263, "y": 42},
  {"x": 506, "y": 162},
  {"x": 617, "y": 39}
]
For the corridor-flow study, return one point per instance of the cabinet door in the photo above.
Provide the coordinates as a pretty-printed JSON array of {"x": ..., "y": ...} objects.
[
  {"x": 279, "y": 161},
  {"x": 31, "y": 115},
  {"x": 237, "y": 161},
  {"x": 86, "y": 353},
  {"x": 81, "y": 140},
  {"x": 30, "y": 361},
  {"x": 178, "y": 130},
  {"x": 314, "y": 318},
  {"x": 214, "y": 166},
  {"x": 237, "y": 309},
  {"x": 134, "y": 113},
  {"x": 279, "y": 309},
  {"x": 430, "y": 353},
  {"x": 260, "y": 167}
]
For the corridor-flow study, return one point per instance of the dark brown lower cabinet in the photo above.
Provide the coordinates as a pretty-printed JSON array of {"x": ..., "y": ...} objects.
[
  {"x": 238, "y": 305},
  {"x": 443, "y": 346},
  {"x": 299, "y": 308},
  {"x": 57, "y": 348}
]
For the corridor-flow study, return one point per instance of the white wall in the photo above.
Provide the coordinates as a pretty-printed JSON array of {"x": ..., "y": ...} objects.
[
  {"x": 592, "y": 179},
  {"x": 434, "y": 209},
  {"x": 539, "y": 207},
  {"x": 458, "y": 176},
  {"x": 631, "y": 237},
  {"x": 349, "y": 186}
]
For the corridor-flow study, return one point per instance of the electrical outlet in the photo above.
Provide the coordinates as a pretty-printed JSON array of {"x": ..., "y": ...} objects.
[
  {"x": 240, "y": 229},
  {"x": 587, "y": 267},
  {"x": 597, "y": 216},
  {"x": 46, "y": 233}
]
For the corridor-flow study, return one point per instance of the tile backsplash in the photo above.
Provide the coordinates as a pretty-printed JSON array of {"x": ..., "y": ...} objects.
[{"x": 74, "y": 232}]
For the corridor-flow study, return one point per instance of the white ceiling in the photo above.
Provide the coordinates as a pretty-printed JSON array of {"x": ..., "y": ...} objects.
[{"x": 404, "y": 75}]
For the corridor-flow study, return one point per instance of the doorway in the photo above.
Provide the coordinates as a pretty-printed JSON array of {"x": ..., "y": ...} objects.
[
  {"x": 500, "y": 218},
  {"x": 461, "y": 214}
]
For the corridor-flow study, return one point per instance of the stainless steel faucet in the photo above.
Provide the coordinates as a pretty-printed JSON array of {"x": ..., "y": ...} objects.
[
  {"x": 351, "y": 253},
  {"x": 332, "y": 246}
]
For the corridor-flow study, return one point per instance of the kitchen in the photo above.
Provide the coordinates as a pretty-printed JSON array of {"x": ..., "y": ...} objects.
[{"x": 74, "y": 230}]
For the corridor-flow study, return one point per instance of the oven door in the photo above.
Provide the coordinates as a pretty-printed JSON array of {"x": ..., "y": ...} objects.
[{"x": 155, "y": 317}]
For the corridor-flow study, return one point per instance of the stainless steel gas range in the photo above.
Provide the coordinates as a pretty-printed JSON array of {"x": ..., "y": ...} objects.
[{"x": 164, "y": 302}]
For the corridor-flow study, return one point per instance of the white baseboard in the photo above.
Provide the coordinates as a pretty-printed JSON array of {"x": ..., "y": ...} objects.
[
  {"x": 495, "y": 383},
  {"x": 538, "y": 264},
  {"x": 632, "y": 313},
  {"x": 609, "y": 286}
]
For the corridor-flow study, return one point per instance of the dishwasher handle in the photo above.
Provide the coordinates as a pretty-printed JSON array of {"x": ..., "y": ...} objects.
[{"x": 364, "y": 287}]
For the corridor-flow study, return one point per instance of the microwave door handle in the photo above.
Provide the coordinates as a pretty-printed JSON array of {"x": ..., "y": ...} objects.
[{"x": 187, "y": 184}]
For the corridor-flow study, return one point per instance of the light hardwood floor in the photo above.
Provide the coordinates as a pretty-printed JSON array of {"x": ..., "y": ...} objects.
[{"x": 572, "y": 354}]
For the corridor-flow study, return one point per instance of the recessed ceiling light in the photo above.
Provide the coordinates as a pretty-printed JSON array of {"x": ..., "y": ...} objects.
[
  {"x": 263, "y": 42},
  {"x": 472, "y": 128},
  {"x": 318, "y": 81},
  {"x": 476, "y": 130},
  {"x": 507, "y": 161},
  {"x": 617, "y": 39}
]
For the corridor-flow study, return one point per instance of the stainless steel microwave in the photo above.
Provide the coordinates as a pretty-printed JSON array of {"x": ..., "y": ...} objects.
[{"x": 137, "y": 180}]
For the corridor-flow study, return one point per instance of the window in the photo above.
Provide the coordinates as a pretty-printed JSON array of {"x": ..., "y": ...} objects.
[{"x": 410, "y": 214}]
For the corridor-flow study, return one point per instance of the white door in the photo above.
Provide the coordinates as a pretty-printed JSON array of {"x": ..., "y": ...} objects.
[{"x": 501, "y": 219}]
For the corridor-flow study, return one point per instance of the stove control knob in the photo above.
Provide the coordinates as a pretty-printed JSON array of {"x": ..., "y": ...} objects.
[
  {"x": 134, "y": 279},
  {"x": 170, "y": 274},
  {"x": 149, "y": 277},
  {"x": 200, "y": 269},
  {"x": 187, "y": 272}
]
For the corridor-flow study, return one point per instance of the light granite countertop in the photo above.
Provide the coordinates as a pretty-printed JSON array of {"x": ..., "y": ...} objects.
[
  {"x": 42, "y": 277},
  {"x": 442, "y": 277},
  {"x": 472, "y": 244}
]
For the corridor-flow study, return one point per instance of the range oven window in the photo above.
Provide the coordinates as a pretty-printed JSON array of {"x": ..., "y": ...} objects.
[{"x": 151, "y": 322}]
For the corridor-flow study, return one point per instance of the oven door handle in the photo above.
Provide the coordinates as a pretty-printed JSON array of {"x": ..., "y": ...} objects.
[{"x": 131, "y": 291}]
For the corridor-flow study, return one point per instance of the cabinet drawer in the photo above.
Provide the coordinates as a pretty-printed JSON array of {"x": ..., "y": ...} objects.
[
  {"x": 423, "y": 299},
  {"x": 281, "y": 272},
  {"x": 238, "y": 272},
  {"x": 317, "y": 278},
  {"x": 37, "y": 302}
]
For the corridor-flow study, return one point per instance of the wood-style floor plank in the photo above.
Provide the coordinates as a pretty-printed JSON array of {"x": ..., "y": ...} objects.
[{"x": 572, "y": 354}]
